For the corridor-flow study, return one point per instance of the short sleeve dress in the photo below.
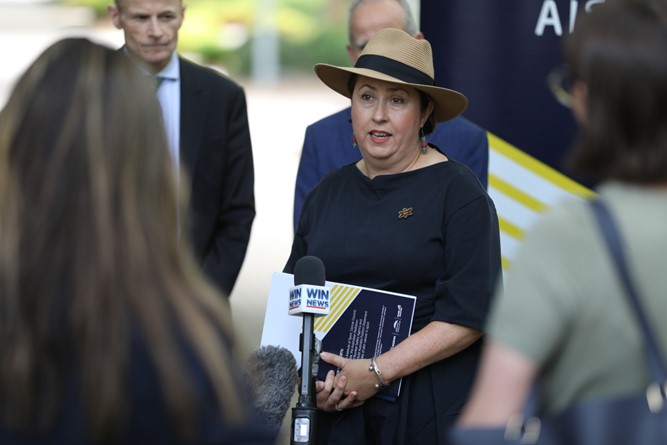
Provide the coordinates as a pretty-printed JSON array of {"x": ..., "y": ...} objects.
[{"x": 432, "y": 233}]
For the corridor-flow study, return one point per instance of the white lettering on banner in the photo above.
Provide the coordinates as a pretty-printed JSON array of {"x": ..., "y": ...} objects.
[
  {"x": 573, "y": 13},
  {"x": 591, "y": 3},
  {"x": 550, "y": 17}
]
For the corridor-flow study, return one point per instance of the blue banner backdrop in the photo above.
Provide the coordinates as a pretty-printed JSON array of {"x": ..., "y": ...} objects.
[{"x": 499, "y": 54}]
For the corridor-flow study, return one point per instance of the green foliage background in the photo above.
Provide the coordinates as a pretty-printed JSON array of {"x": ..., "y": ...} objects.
[{"x": 309, "y": 31}]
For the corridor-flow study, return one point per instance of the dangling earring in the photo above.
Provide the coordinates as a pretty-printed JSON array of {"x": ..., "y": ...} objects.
[
  {"x": 423, "y": 143},
  {"x": 354, "y": 142}
]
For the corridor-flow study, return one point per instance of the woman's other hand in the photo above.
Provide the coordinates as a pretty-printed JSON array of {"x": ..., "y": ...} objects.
[{"x": 330, "y": 394}]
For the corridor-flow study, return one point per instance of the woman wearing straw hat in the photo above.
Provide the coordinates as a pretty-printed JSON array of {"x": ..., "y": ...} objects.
[{"x": 405, "y": 218}]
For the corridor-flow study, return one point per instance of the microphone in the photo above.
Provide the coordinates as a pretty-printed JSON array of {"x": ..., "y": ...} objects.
[
  {"x": 308, "y": 298},
  {"x": 309, "y": 295},
  {"x": 271, "y": 374}
]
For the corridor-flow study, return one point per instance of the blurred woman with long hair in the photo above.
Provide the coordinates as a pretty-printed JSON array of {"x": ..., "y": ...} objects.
[{"x": 108, "y": 332}]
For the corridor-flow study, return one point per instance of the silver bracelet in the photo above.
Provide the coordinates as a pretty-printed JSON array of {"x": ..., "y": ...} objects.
[{"x": 373, "y": 367}]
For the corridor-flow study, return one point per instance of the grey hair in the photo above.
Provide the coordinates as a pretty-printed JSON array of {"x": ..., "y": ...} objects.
[{"x": 410, "y": 23}]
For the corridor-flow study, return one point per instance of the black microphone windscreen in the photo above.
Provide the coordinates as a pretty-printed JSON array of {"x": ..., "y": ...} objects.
[
  {"x": 272, "y": 376},
  {"x": 309, "y": 270}
]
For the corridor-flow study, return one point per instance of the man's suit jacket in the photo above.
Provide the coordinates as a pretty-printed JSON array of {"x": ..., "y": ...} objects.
[
  {"x": 328, "y": 145},
  {"x": 216, "y": 153}
]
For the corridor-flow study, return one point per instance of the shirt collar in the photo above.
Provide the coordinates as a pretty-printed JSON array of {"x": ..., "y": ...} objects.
[{"x": 171, "y": 71}]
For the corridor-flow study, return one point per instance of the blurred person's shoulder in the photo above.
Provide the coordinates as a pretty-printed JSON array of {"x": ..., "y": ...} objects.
[
  {"x": 207, "y": 74},
  {"x": 459, "y": 126},
  {"x": 332, "y": 122}
]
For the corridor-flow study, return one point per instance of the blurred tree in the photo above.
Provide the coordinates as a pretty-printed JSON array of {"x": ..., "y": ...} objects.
[{"x": 220, "y": 32}]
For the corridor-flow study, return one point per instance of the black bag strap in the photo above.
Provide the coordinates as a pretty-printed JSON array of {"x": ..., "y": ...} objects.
[{"x": 613, "y": 240}]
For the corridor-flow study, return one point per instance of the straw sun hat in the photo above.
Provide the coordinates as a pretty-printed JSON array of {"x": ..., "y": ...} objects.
[{"x": 395, "y": 56}]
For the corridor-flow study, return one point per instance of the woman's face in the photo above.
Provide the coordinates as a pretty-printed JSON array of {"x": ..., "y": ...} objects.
[{"x": 386, "y": 118}]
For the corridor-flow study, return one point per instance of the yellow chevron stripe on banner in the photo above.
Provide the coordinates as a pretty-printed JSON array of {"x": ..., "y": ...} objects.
[
  {"x": 510, "y": 229},
  {"x": 522, "y": 188},
  {"x": 505, "y": 263},
  {"x": 340, "y": 298},
  {"x": 538, "y": 167},
  {"x": 515, "y": 192}
]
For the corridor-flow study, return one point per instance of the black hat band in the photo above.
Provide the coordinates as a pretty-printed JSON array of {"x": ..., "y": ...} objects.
[{"x": 393, "y": 68}]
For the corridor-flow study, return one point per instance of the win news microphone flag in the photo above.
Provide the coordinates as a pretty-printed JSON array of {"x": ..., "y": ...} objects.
[{"x": 309, "y": 295}]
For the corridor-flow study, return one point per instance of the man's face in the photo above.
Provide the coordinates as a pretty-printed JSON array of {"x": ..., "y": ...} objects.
[
  {"x": 369, "y": 18},
  {"x": 150, "y": 28}
]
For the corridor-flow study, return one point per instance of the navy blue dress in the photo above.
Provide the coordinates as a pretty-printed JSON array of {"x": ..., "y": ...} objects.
[{"x": 432, "y": 233}]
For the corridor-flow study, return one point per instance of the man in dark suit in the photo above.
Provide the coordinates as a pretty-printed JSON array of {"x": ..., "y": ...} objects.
[
  {"x": 328, "y": 142},
  {"x": 206, "y": 123}
]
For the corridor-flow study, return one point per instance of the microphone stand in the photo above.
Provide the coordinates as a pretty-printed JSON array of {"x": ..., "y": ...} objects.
[{"x": 304, "y": 415}]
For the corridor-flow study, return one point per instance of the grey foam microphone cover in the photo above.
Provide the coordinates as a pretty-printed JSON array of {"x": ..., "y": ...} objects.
[{"x": 271, "y": 373}]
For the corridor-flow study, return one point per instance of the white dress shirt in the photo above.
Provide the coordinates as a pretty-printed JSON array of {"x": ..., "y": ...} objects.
[{"x": 169, "y": 95}]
